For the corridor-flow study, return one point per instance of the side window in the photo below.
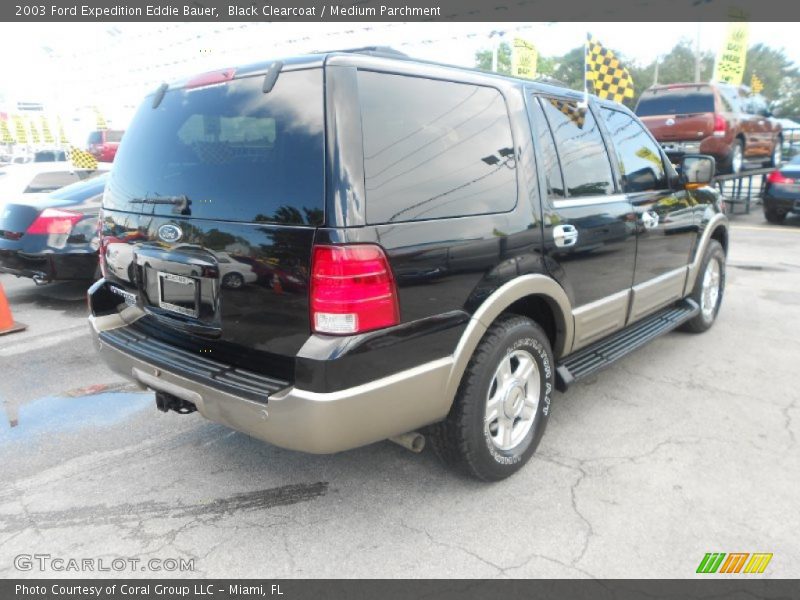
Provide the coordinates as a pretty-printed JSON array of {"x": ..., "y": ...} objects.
[
  {"x": 640, "y": 162},
  {"x": 584, "y": 162},
  {"x": 434, "y": 149},
  {"x": 548, "y": 159}
]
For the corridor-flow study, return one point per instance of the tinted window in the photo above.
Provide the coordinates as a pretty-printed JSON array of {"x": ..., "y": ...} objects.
[
  {"x": 95, "y": 138},
  {"x": 584, "y": 162},
  {"x": 676, "y": 101},
  {"x": 82, "y": 189},
  {"x": 548, "y": 160},
  {"x": 639, "y": 157},
  {"x": 49, "y": 156},
  {"x": 113, "y": 136},
  {"x": 434, "y": 149},
  {"x": 233, "y": 151},
  {"x": 48, "y": 182}
]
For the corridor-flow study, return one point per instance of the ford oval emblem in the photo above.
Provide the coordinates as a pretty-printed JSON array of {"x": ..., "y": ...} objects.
[
  {"x": 169, "y": 233},
  {"x": 670, "y": 122}
]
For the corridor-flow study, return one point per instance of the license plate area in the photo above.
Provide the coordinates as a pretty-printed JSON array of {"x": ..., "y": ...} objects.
[{"x": 178, "y": 294}]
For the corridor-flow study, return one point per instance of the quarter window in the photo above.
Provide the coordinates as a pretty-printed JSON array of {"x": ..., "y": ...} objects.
[
  {"x": 640, "y": 164},
  {"x": 584, "y": 161},
  {"x": 434, "y": 149},
  {"x": 548, "y": 159}
]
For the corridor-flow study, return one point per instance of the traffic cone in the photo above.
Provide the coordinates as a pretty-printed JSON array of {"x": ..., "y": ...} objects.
[{"x": 7, "y": 324}]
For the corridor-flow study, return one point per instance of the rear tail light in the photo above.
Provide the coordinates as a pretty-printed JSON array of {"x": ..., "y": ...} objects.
[
  {"x": 54, "y": 221},
  {"x": 352, "y": 289},
  {"x": 720, "y": 125},
  {"x": 778, "y": 177}
]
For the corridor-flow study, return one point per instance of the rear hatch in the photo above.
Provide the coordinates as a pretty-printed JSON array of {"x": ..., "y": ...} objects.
[
  {"x": 210, "y": 212},
  {"x": 678, "y": 113}
]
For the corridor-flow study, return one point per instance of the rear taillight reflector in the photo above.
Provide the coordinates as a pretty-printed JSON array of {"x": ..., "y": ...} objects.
[
  {"x": 54, "y": 221},
  {"x": 352, "y": 290},
  {"x": 778, "y": 177},
  {"x": 720, "y": 125}
]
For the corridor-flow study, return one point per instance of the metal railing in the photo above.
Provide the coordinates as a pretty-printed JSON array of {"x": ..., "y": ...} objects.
[
  {"x": 791, "y": 142},
  {"x": 742, "y": 188}
]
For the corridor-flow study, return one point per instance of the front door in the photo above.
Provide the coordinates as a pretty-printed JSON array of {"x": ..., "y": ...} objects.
[{"x": 665, "y": 218}]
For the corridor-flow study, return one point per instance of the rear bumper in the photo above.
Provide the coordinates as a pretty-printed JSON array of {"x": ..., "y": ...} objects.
[
  {"x": 298, "y": 419},
  {"x": 49, "y": 266}
]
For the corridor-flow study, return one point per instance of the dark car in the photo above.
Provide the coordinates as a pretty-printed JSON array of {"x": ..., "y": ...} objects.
[
  {"x": 782, "y": 192},
  {"x": 53, "y": 236},
  {"x": 103, "y": 144},
  {"x": 463, "y": 244},
  {"x": 717, "y": 119}
]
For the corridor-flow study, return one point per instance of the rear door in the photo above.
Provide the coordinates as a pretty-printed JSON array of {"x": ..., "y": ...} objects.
[
  {"x": 590, "y": 229},
  {"x": 210, "y": 213},
  {"x": 665, "y": 219}
]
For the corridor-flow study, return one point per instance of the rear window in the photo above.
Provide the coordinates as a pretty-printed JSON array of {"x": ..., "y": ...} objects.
[
  {"x": 434, "y": 149},
  {"x": 95, "y": 138},
  {"x": 113, "y": 136},
  {"x": 676, "y": 101},
  {"x": 227, "y": 152},
  {"x": 49, "y": 156},
  {"x": 48, "y": 182}
]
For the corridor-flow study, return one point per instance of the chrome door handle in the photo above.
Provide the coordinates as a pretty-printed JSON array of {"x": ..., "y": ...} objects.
[{"x": 565, "y": 235}]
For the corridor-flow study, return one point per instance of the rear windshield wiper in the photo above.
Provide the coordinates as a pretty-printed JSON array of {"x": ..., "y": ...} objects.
[{"x": 181, "y": 203}]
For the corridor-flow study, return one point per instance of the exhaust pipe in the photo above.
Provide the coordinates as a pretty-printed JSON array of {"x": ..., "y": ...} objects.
[
  {"x": 167, "y": 402},
  {"x": 412, "y": 440}
]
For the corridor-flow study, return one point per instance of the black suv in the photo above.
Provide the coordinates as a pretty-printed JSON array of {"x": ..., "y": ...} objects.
[{"x": 426, "y": 250}]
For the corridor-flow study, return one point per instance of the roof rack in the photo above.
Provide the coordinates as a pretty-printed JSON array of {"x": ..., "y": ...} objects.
[{"x": 369, "y": 50}]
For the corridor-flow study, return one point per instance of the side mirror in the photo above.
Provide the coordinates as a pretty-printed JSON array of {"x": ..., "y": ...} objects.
[{"x": 697, "y": 168}]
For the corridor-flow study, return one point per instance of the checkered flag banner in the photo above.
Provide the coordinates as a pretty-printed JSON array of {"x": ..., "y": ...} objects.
[
  {"x": 605, "y": 75},
  {"x": 81, "y": 159}
]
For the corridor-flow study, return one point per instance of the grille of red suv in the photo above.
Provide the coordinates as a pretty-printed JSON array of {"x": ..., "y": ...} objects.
[{"x": 193, "y": 365}]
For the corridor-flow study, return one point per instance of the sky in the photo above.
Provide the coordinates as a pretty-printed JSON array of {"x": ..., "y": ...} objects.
[{"x": 115, "y": 64}]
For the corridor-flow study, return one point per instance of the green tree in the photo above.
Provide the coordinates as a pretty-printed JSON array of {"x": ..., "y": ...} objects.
[
  {"x": 483, "y": 59},
  {"x": 781, "y": 78}
]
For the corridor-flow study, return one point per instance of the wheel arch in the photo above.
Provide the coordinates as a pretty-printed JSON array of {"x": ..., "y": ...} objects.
[
  {"x": 715, "y": 229},
  {"x": 529, "y": 295}
]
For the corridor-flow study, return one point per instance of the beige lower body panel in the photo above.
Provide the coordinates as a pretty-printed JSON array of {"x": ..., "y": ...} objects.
[
  {"x": 657, "y": 293},
  {"x": 319, "y": 423},
  {"x": 598, "y": 319}
]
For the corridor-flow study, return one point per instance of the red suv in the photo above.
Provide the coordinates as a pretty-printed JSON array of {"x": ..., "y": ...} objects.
[
  {"x": 103, "y": 144},
  {"x": 716, "y": 119}
]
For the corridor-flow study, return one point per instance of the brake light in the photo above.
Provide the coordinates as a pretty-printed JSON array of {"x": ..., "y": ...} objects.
[
  {"x": 210, "y": 78},
  {"x": 352, "y": 289},
  {"x": 54, "y": 221},
  {"x": 720, "y": 125},
  {"x": 778, "y": 177}
]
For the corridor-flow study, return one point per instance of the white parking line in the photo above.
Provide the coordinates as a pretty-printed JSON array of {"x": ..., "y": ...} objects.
[{"x": 770, "y": 229}]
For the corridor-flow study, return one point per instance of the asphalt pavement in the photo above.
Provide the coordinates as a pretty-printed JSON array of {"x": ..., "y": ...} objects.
[{"x": 687, "y": 446}]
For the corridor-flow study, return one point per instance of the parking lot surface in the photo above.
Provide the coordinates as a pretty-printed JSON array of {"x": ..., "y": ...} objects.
[{"x": 687, "y": 446}]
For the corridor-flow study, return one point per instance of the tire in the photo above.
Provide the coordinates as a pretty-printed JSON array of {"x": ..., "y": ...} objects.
[
  {"x": 774, "y": 216},
  {"x": 732, "y": 163},
  {"x": 233, "y": 281},
  {"x": 491, "y": 450},
  {"x": 708, "y": 302},
  {"x": 777, "y": 154}
]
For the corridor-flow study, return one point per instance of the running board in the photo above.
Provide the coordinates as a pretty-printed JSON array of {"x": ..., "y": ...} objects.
[{"x": 599, "y": 355}]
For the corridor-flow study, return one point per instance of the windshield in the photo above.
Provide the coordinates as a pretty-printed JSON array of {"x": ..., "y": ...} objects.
[
  {"x": 227, "y": 152},
  {"x": 676, "y": 101}
]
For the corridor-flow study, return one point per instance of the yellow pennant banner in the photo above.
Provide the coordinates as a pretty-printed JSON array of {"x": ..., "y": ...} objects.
[
  {"x": 524, "y": 58},
  {"x": 732, "y": 54}
]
